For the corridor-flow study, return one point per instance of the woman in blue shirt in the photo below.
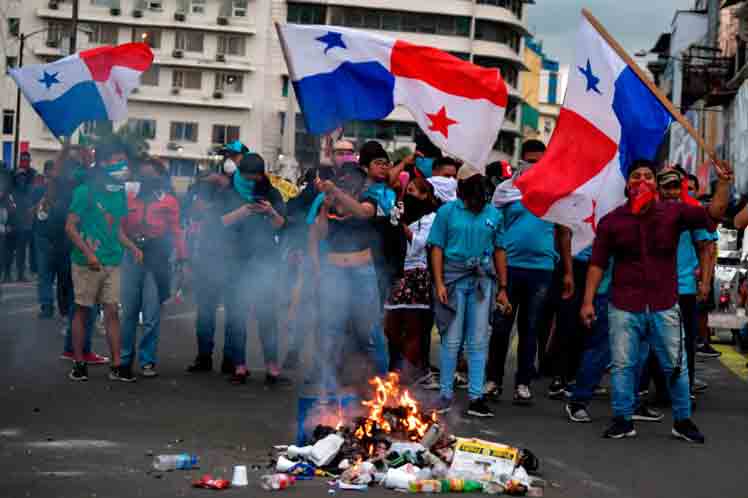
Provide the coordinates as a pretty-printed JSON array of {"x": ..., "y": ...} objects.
[{"x": 466, "y": 238}]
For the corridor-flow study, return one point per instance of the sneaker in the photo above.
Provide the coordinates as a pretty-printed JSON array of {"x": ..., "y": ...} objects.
[
  {"x": 577, "y": 412},
  {"x": 556, "y": 389},
  {"x": 227, "y": 367},
  {"x": 479, "y": 408},
  {"x": 278, "y": 380},
  {"x": 687, "y": 430},
  {"x": 644, "y": 393},
  {"x": 202, "y": 363},
  {"x": 461, "y": 381},
  {"x": 429, "y": 382},
  {"x": 66, "y": 355},
  {"x": 239, "y": 376},
  {"x": 699, "y": 386},
  {"x": 619, "y": 429},
  {"x": 492, "y": 391},
  {"x": 46, "y": 312},
  {"x": 706, "y": 351},
  {"x": 149, "y": 370},
  {"x": 95, "y": 359},
  {"x": 79, "y": 373},
  {"x": 442, "y": 406},
  {"x": 647, "y": 414},
  {"x": 522, "y": 395},
  {"x": 122, "y": 373}
]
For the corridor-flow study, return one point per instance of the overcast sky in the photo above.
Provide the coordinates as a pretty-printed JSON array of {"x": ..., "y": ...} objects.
[{"x": 636, "y": 24}]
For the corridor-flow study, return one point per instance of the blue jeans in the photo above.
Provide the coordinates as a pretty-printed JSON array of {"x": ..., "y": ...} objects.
[
  {"x": 631, "y": 336},
  {"x": 252, "y": 285},
  {"x": 210, "y": 283},
  {"x": 528, "y": 291},
  {"x": 470, "y": 326},
  {"x": 596, "y": 355},
  {"x": 139, "y": 293},
  {"x": 53, "y": 265},
  {"x": 349, "y": 303}
]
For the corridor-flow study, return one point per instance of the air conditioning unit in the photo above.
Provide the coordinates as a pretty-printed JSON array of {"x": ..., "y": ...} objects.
[
  {"x": 175, "y": 90},
  {"x": 179, "y": 16},
  {"x": 115, "y": 11},
  {"x": 157, "y": 6},
  {"x": 222, "y": 21},
  {"x": 137, "y": 13},
  {"x": 135, "y": 90},
  {"x": 178, "y": 54},
  {"x": 172, "y": 146},
  {"x": 53, "y": 5},
  {"x": 53, "y": 43},
  {"x": 221, "y": 57},
  {"x": 218, "y": 94}
]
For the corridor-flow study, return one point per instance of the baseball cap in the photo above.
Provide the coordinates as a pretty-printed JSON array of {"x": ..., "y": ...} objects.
[
  {"x": 668, "y": 176},
  {"x": 235, "y": 147}
]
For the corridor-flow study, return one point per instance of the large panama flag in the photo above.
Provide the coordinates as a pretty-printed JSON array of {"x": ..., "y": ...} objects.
[
  {"x": 609, "y": 119},
  {"x": 343, "y": 74},
  {"x": 92, "y": 85}
]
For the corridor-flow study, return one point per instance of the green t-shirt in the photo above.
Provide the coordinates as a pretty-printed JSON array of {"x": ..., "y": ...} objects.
[{"x": 100, "y": 216}]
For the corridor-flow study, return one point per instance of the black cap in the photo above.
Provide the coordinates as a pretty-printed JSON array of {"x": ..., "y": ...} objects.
[
  {"x": 370, "y": 151},
  {"x": 252, "y": 164}
]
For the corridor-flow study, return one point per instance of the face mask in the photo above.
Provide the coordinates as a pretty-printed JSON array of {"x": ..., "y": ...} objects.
[
  {"x": 425, "y": 165},
  {"x": 341, "y": 159},
  {"x": 641, "y": 195},
  {"x": 118, "y": 171},
  {"x": 229, "y": 166},
  {"x": 415, "y": 209}
]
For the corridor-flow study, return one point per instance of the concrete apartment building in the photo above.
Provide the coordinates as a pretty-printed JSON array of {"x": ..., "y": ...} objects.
[{"x": 219, "y": 72}]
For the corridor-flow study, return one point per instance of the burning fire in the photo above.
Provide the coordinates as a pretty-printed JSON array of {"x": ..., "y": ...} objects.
[{"x": 393, "y": 411}]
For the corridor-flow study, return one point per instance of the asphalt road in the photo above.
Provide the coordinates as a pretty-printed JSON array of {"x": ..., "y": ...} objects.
[{"x": 95, "y": 439}]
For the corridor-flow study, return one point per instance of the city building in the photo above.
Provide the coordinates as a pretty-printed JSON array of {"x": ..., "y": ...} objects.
[
  {"x": 219, "y": 72},
  {"x": 543, "y": 88}
]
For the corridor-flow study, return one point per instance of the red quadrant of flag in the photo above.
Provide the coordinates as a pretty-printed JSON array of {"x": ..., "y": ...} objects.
[
  {"x": 100, "y": 60},
  {"x": 577, "y": 153},
  {"x": 448, "y": 73}
]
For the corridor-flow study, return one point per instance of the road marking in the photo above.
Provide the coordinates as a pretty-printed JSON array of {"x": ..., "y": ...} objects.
[
  {"x": 71, "y": 444},
  {"x": 733, "y": 360},
  {"x": 19, "y": 311}
]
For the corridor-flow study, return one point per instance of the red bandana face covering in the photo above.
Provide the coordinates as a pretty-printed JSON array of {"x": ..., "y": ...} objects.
[
  {"x": 640, "y": 195},
  {"x": 685, "y": 197}
]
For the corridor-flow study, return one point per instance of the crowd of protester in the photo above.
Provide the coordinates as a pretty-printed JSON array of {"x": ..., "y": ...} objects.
[{"x": 375, "y": 255}]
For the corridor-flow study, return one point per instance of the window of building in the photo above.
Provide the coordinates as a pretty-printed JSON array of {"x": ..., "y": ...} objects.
[
  {"x": 514, "y": 5},
  {"x": 183, "y": 167},
  {"x": 284, "y": 89},
  {"x": 151, "y": 77},
  {"x": 103, "y": 3},
  {"x": 223, "y": 134},
  {"x": 183, "y": 132},
  {"x": 399, "y": 21},
  {"x": 14, "y": 26},
  {"x": 9, "y": 116},
  {"x": 103, "y": 34},
  {"x": 232, "y": 45},
  {"x": 197, "y": 7},
  {"x": 151, "y": 36},
  {"x": 145, "y": 128},
  {"x": 10, "y": 62},
  {"x": 229, "y": 82},
  {"x": 56, "y": 31},
  {"x": 304, "y": 13},
  {"x": 100, "y": 128},
  {"x": 190, "y": 41},
  {"x": 495, "y": 32},
  {"x": 239, "y": 8},
  {"x": 191, "y": 80}
]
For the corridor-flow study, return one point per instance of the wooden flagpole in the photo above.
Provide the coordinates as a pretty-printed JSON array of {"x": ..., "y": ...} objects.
[{"x": 680, "y": 118}]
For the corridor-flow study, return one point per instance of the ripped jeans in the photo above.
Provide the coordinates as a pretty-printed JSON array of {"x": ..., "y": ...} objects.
[{"x": 631, "y": 336}]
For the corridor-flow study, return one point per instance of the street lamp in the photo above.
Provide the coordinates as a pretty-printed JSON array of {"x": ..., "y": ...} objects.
[{"x": 23, "y": 37}]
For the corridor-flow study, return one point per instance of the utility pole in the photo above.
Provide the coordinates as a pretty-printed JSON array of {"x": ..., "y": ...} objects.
[
  {"x": 17, "y": 137},
  {"x": 73, "y": 44}
]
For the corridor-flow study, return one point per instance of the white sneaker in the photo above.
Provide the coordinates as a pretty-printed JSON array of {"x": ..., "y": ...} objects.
[
  {"x": 522, "y": 395},
  {"x": 429, "y": 382}
]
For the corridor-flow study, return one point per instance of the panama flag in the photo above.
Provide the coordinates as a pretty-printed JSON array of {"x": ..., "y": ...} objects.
[
  {"x": 92, "y": 85},
  {"x": 342, "y": 74},
  {"x": 609, "y": 119}
]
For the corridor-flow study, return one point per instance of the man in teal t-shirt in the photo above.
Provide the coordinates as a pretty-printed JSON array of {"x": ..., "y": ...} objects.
[{"x": 94, "y": 228}]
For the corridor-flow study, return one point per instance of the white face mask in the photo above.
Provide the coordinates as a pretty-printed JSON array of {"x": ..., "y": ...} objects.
[{"x": 229, "y": 166}]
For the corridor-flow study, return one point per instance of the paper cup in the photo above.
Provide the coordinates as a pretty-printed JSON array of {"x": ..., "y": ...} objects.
[{"x": 240, "y": 476}]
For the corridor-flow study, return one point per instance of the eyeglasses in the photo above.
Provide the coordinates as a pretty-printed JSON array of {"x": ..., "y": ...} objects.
[
  {"x": 382, "y": 163},
  {"x": 343, "y": 151}
]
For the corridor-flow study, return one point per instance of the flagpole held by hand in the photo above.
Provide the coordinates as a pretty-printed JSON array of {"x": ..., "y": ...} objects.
[{"x": 675, "y": 112}]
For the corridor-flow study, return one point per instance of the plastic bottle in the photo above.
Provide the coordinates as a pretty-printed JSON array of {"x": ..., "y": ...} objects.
[
  {"x": 461, "y": 486},
  {"x": 275, "y": 482},
  {"x": 325, "y": 450},
  {"x": 425, "y": 486},
  {"x": 185, "y": 461}
]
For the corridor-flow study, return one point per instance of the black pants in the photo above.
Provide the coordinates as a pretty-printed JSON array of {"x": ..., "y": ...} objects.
[
  {"x": 569, "y": 339},
  {"x": 23, "y": 245}
]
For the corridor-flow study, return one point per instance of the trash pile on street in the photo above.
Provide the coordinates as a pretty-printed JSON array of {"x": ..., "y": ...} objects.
[{"x": 400, "y": 447}]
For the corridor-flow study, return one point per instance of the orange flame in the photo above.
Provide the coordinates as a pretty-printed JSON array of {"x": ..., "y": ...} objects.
[{"x": 387, "y": 394}]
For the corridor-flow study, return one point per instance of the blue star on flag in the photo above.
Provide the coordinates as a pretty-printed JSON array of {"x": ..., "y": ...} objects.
[
  {"x": 332, "y": 40},
  {"x": 49, "y": 79},
  {"x": 592, "y": 80}
]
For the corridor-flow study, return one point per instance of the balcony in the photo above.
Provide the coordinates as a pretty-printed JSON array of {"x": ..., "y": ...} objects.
[
  {"x": 190, "y": 98},
  {"x": 202, "y": 62}
]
